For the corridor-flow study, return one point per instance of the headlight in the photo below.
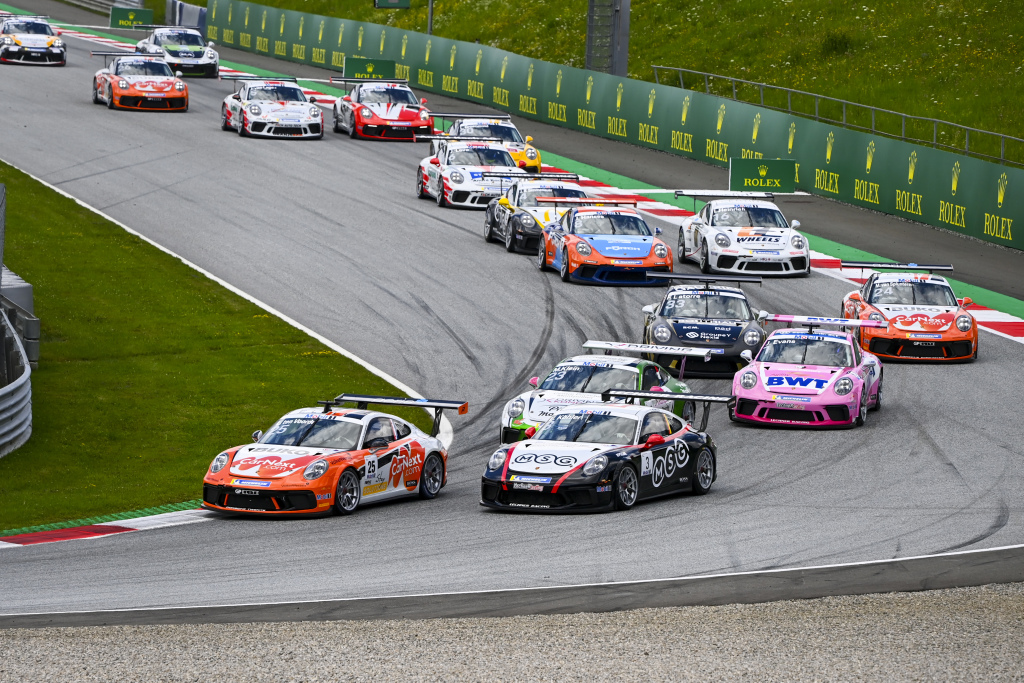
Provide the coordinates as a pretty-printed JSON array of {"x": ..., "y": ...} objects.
[
  {"x": 527, "y": 221},
  {"x": 255, "y": 110},
  {"x": 531, "y": 153},
  {"x": 843, "y": 386},
  {"x": 964, "y": 323},
  {"x": 595, "y": 465},
  {"x": 662, "y": 333},
  {"x": 798, "y": 242},
  {"x": 583, "y": 249},
  {"x": 122, "y": 84},
  {"x": 516, "y": 408},
  {"x": 497, "y": 460},
  {"x": 876, "y": 316},
  {"x": 210, "y": 54},
  {"x": 179, "y": 86},
  {"x": 315, "y": 470},
  {"x": 751, "y": 337},
  {"x": 218, "y": 463},
  {"x": 314, "y": 111},
  {"x": 456, "y": 177},
  {"x": 660, "y": 250},
  {"x": 7, "y": 40},
  {"x": 748, "y": 380},
  {"x": 424, "y": 114},
  {"x": 366, "y": 113},
  {"x": 722, "y": 240},
  {"x": 58, "y": 43}
]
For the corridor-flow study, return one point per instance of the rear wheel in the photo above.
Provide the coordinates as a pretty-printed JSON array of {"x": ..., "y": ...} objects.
[
  {"x": 488, "y": 229},
  {"x": 625, "y": 488},
  {"x": 563, "y": 270},
  {"x": 703, "y": 472},
  {"x": 347, "y": 495},
  {"x": 432, "y": 476}
]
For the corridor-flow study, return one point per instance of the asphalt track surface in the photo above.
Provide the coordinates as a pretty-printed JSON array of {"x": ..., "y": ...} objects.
[{"x": 331, "y": 233}]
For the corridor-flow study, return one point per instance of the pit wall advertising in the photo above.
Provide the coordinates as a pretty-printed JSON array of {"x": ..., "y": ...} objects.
[{"x": 942, "y": 189}]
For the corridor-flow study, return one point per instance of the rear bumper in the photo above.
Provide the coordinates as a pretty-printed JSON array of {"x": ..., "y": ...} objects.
[
  {"x": 767, "y": 412},
  {"x": 210, "y": 70}
]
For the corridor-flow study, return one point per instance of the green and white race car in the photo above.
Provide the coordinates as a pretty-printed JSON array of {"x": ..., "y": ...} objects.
[{"x": 582, "y": 380}]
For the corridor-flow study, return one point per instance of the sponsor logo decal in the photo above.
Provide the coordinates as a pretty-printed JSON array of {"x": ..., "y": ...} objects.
[
  {"x": 801, "y": 399},
  {"x": 528, "y": 487},
  {"x": 374, "y": 488},
  {"x": 604, "y": 489},
  {"x": 545, "y": 459},
  {"x": 662, "y": 466},
  {"x": 250, "y": 482},
  {"x": 324, "y": 496},
  {"x": 530, "y": 479},
  {"x": 786, "y": 381}
]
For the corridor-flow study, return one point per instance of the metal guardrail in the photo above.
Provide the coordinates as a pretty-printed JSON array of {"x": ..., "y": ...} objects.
[
  {"x": 27, "y": 327},
  {"x": 16, "y": 396},
  {"x": 851, "y": 108}
]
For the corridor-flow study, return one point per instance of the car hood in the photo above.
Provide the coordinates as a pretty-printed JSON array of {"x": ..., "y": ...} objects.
[
  {"x": 620, "y": 246},
  {"x": 919, "y": 318},
  {"x": 149, "y": 83},
  {"x": 274, "y": 462},
  {"x": 543, "y": 403},
  {"x": 546, "y": 215},
  {"x": 798, "y": 379},
  {"x": 551, "y": 457},
  {"x": 707, "y": 331},
  {"x": 185, "y": 52},
  {"x": 282, "y": 108},
  {"x": 472, "y": 174},
  {"x": 759, "y": 238},
  {"x": 390, "y": 111}
]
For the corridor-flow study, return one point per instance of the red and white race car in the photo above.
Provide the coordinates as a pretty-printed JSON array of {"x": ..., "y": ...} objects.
[
  {"x": 465, "y": 173},
  {"x": 381, "y": 110},
  {"x": 271, "y": 109}
]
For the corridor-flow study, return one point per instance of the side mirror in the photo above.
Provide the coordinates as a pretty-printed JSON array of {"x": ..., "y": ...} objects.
[
  {"x": 236, "y": 96},
  {"x": 534, "y": 381},
  {"x": 795, "y": 224},
  {"x": 435, "y": 161},
  {"x": 312, "y": 100},
  {"x": 257, "y": 435},
  {"x": 747, "y": 356},
  {"x": 854, "y": 296},
  {"x": 379, "y": 442},
  {"x": 762, "y": 316},
  {"x": 423, "y": 100},
  {"x": 696, "y": 220},
  {"x": 346, "y": 98},
  {"x": 966, "y": 301},
  {"x": 648, "y": 309},
  {"x": 530, "y": 432},
  {"x": 657, "y": 387},
  {"x": 177, "y": 74},
  {"x": 522, "y": 164},
  {"x": 504, "y": 203},
  {"x": 59, "y": 32},
  {"x": 529, "y": 138},
  {"x": 657, "y": 230},
  {"x": 210, "y": 44},
  {"x": 653, "y": 441}
]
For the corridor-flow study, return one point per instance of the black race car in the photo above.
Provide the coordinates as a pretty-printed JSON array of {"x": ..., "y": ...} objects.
[
  {"x": 603, "y": 456},
  {"x": 517, "y": 219},
  {"x": 703, "y": 314}
]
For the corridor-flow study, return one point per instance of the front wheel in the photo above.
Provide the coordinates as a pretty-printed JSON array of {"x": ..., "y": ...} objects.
[
  {"x": 878, "y": 395},
  {"x": 352, "y": 129},
  {"x": 510, "y": 239},
  {"x": 225, "y": 121},
  {"x": 862, "y": 413},
  {"x": 441, "y": 201},
  {"x": 563, "y": 270},
  {"x": 421, "y": 191},
  {"x": 96, "y": 92},
  {"x": 110, "y": 96},
  {"x": 337, "y": 124},
  {"x": 705, "y": 260},
  {"x": 432, "y": 476},
  {"x": 347, "y": 495},
  {"x": 625, "y": 488},
  {"x": 542, "y": 256},
  {"x": 703, "y": 472}
]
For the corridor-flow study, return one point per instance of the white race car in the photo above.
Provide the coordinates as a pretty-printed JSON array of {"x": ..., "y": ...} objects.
[
  {"x": 31, "y": 40},
  {"x": 455, "y": 176},
  {"x": 271, "y": 109},
  {"x": 496, "y": 126},
  {"x": 381, "y": 110},
  {"x": 744, "y": 236},
  {"x": 183, "y": 49}
]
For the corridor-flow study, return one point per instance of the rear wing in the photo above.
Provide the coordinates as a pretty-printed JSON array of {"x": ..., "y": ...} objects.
[
  {"x": 629, "y": 347},
  {"x": 705, "y": 279},
  {"x": 897, "y": 266},
  {"x": 455, "y": 138},
  {"x": 580, "y": 201},
  {"x": 633, "y": 396},
  {"x": 725, "y": 194},
  {"x": 503, "y": 117},
  {"x": 362, "y": 402},
  {"x": 342, "y": 79},
  {"x": 109, "y": 57},
  {"x": 534, "y": 176},
  {"x": 814, "y": 321},
  {"x": 150, "y": 27},
  {"x": 269, "y": 79}
]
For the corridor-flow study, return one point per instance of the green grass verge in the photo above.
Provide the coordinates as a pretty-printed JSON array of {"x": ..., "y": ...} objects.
[
  {"x": 148, "y": 369},
  {"x": 103, "y": 519},
  {"x": 956, "y": 60}
]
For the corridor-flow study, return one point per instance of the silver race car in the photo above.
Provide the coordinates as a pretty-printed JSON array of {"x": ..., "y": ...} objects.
[
  {"x": 271, "y": 109},
  {"x": 31, "y": 40},
  {"x": 183, "y": 49}
]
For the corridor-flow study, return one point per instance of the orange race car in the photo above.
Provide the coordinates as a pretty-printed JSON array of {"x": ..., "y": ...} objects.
[
  {"x": 602, "y": 244},
  {"x": 133, "y": 81},
  {"x": 926, "y": 320},
  {"x": 313, "y": 460}
]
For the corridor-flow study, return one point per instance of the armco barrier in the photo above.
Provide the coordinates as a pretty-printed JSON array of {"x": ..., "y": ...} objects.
[
  {"x": 16, "y": 397},
  {"x": 943, "y": 189}
]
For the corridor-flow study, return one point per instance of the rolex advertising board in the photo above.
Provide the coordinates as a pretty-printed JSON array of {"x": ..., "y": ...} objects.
[
  {"x": 919, "y": 183},
  {"x": 358, "y": 67},
  {"x": 762, "y": 175},
  {"x": 127, "y": 17}
]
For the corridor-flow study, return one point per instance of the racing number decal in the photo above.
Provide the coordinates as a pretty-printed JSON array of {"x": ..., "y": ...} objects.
[{"x": 371, "y": 468}]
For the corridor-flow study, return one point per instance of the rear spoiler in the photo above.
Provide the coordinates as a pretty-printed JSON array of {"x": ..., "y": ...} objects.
[
  {"x": 706, "y": 399},
  {"x": 579, "y": 201},
  {"x": 148, "y": 27},
  {"x": 707, "y": 280},
  {"x": 455, "y": 138},
  {"x": 505, "y": 117},
  {"x": 534, "y": 176},
  {"x": 287, "y": 79},
  {"x": 896, "y": 266},
  {"x": 342, "y": 79},
  {"x": 362, "y": 402},
  {"x": 725, "y": 194},
  {"x": 814, "y": 321},
  {"x": 629, "y": 347}
]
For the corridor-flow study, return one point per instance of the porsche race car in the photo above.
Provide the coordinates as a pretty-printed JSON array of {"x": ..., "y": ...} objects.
[
  {"x": 809, "y": 377},
  {"x": 271, "y": 109},
  {"x": 182, "y": 48},
  {"x": 599, "y": 242},
  {"x": 702, "y": 314},
  {"x": 31, "y": 40},
  {"x": 925, "y": 319},
  {"x": 132, "y": 81},
  {"x": 498, "y": 126},
  {"x": 743, "y": 235},
  {"x": 602, "y": 456},
  {"x": 455, "y": 176},
  {"x": 517, "y": 219},
  {"x": 315, "y": 460},
  {"x": 381, "y": 110}
]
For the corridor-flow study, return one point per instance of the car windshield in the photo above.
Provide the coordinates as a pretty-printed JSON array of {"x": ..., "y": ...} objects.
[
  {"x": 178, "y": 39},
  {"x": 920, "y": 293},
  {"x": 610, "y": 224},
  {"x": 35, "y": 27},
  {"x": 748, "y": 217},
  {"x": 491, "y": 130},
  {"x": 588, "y": 428},
  {"x": 314, "y": 433},
  {"x": 807, "y": 350},
  {"x": 148, "y": 67},
  {"x": 699, "y": 304},
  {"x": 276, "y": 93},
  {"x": 529, "y": 197},
  {"x": 387, "y": 96},
  {"x": 480, "y": 157},
  {"x": 590, "y": 379}
]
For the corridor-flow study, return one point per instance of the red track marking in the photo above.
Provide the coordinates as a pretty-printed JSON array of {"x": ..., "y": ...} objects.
[{"x": 92, "y": 531}]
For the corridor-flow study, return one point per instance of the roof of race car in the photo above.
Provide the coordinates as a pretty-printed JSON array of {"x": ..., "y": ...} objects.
[
  {"x": 490, "y": 122},
  {"x": 175, "y": 29},
  {"x": 603, "y": 361},
  {"x": 727, "y": 291},
  {"x": 459, "y": 144},
  {"x": 910, "y": 277},
  {"x": 741, "y": 204}
]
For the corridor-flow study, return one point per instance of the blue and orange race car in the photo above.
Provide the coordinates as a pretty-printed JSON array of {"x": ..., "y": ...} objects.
[{"x": 601, "y": 242}]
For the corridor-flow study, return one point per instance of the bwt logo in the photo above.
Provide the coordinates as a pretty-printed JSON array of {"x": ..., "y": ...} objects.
[{"x": 797, "y": 382}]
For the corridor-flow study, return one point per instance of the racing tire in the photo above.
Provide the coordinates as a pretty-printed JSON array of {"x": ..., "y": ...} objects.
[
  {"x": 431, "y": 476},
  {"x": 421, "y": 191},
  {"x": 862, "y": 414},
  {"x": 689, "y": 411},
  {"x": 681, "y": 250},
  {"x": 878, "y": 395},
  {"x": 347, "y": 494},
  {"x": 705, "y": 260},
  {"x": 110, "y": 96},
  {"x": 441, "y": 201},
  {"x": 96, "y": 92},
  {"x": 510, "y": 239},
  {"x": 703, "y": 472},
  {"x": 488, "y": 230},
  {"x": 337, "y": 128},
  {"x": 625, "y": 488},
  {"x": 224, "y": 125},
  {"x": 352, "y": 129},
  {"x": 542, "y": 256},
  {"x": 563, "y": 270}
]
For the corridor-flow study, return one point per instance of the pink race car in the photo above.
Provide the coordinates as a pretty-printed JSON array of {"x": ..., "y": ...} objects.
[{"x": 809, "y": 377}]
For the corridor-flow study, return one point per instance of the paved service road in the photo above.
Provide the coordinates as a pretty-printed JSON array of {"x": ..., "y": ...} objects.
[{"x": 331, "y": 233}]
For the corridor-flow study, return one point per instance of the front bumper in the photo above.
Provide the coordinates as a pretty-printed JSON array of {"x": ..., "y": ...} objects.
[
  {"x": 607, "y": 274},
  {"x": 207, "y": 69},
  {"x": 474, "y": 198},
  {"x": 263, "y": 501},
  {"x": 275, "y": 129},
  {"x": 388, "y": 131},
  {"x": 503, "y": 495},
  {"x": 528, "y": 240},
  {"x": 809, "y": 414},
  {"x": 901, "y": 348},
  {"x": 178, "y": 102},
  {"x": 781, "y": 265},
  {"x": 50, "y": 56}
]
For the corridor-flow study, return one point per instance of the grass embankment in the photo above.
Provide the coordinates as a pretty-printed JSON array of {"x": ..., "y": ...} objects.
[
  {"x": 956, "y": 60},
  {"x": 148, "y": 369}
]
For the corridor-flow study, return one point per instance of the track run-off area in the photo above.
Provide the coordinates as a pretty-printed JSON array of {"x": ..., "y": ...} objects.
[{"x": 331, "y": 233}]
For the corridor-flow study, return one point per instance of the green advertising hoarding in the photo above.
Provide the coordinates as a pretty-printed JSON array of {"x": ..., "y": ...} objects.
[
  {"x": 762, "y": 175},
  {"x": 943, "y": 189},
  {"x": 358, "y": 67},
  {"x": 127, "y": 17}
]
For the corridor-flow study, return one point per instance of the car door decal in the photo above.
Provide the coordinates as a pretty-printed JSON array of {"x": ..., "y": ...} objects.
[{"x": 666, "y": 461}]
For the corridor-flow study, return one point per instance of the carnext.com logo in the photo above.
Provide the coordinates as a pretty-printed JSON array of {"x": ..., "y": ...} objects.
[{"x": 250, "y": 482}]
